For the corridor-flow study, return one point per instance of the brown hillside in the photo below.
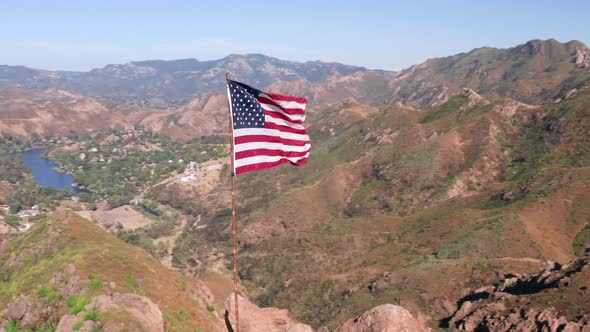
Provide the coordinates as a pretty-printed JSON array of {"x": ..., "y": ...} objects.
[
  {"x": 67, "y": 256},
  {"x": 395, "y": 198}
]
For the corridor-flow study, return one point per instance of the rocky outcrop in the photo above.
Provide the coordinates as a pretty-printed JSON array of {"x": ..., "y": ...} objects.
[
  {"x": 67, "y": 322},
  {"x": 582, "y": 59},
  {"x": 518, "y": 303},
  {"x": 16, "y": 311},
  {"x": 493, "y": 317},
  {"x": 140, "y": 309},
  {"x": 255, "y": 319},
  {"x": 384, "y": 318},
  {"x": 131, "y": 312},
  {"x": 473, "y": 98}
]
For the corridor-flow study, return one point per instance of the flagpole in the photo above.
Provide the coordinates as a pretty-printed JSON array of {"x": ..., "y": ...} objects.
[{"x": 233, "y": 203}]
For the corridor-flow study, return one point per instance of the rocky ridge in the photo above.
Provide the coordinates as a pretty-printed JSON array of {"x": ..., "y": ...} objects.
[
  {"x": 166, "y": 84},
  {"x": 516, "y": 303}
]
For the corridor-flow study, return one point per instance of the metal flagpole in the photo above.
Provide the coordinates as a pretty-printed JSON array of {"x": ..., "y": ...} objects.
[{"x": 233, "y": 203}]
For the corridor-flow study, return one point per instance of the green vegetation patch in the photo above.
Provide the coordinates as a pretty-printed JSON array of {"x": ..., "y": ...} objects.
[
  {"x": 444, "y": 110},
  {"x": 77, "y": 302}
]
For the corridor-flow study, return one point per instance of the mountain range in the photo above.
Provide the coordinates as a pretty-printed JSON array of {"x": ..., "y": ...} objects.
[
  {"x": 163, "y": 83},
  {"x": 528, "y": 72},
  {"x": 531, "y": 72}
]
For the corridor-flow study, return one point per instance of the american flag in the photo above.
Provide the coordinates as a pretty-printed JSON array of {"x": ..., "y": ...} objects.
[{"x": 268, "y": 128}]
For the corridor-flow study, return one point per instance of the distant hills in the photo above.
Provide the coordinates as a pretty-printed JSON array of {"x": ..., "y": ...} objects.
[
  {"x": 129, "y": 94},
  {"x": 161, "y": 83},
  {"x": 529, "y": 72}
]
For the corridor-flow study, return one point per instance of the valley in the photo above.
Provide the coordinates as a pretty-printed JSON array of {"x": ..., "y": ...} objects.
[{"x": 423, "y": 187}]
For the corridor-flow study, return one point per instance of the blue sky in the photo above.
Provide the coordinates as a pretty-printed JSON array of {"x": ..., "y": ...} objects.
[{"x": 80, "y": 35}]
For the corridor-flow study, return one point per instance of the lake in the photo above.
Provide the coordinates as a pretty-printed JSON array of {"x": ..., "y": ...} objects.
[{"x": 44, "y": 171}]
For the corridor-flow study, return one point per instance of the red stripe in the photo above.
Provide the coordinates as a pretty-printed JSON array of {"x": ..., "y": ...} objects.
[
  {"x": 268, "y": 139},
  {"x": 286, "y": 129},
  {"x": 259, "y": 166},
  {"x": 291, "y": 111},
  {"x": 278, "y": 115},
  {"x": 277, "y": 96},
  {"x": 268, "y": 152}
]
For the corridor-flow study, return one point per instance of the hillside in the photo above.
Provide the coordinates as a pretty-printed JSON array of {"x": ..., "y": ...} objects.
[
  {"x": 68, "y": 270},
  {"x": 394, "y": 198},
  {"x": 52, "y": 114},
  {"x": 531, "y": 73},
  {"x": 25, "y": 115}
]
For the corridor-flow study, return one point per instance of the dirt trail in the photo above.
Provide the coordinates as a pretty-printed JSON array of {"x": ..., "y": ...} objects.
[{"x": 167, "y": 260}]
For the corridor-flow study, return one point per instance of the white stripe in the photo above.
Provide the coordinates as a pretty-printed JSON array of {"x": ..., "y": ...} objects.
[
  {"x": 271, "y": 146},
  {"x": 285, "y": 104},
  {"x": 269, "y": 132},
  {"x": 266, "y": 159},
  {"x": 282, "y": 122},
  {"x": 294, "y": 117}
]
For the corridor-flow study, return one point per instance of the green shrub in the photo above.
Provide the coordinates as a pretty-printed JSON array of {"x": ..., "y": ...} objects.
[
  {"x": 77, "y": 302},
  {"x": 13, "y": 326},
  {"x": 49, "y": 327},
  {"x": 91, "y": 315},
  {"x": 78, "y": 325},
  {"x": 42, "y": 292},
  {"x": 183, "y": 314},
  {"x": 131, "y": 280},
  {"x": 95, "y": 284}
]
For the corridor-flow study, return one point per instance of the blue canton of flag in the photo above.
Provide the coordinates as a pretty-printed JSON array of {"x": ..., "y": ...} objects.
[{"x": 247, "y": 112}]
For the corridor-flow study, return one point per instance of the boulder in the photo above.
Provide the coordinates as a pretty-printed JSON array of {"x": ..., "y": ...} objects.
[
  {"x": 66, "y": 324},
  {"x": 16, "y": 311},
  {"x": 384, "y": 318},
  {"x": 140, "y": 308},
  {"x": 255, "y": 319},
  {"x": 582, "y": 59}
]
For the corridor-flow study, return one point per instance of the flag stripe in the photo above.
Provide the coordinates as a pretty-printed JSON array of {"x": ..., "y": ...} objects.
[
  {"x": 268, "y": 139},
  {"x": 271, "y": 146},
  {"x": 288, "y": 110},
  {"x": 267, "y": 159},
  {"x": 259, "y": 166},
  {"x": 290, "y": 117},
  {"x": 281, "y": 122},
  {"x": 284, "y": 129},
  {"x": 279, "y": 115},
  {"x": 270, "y": 153},
  {"x": 276, "y": 96},
  {"x": 269, "y": 132}
]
